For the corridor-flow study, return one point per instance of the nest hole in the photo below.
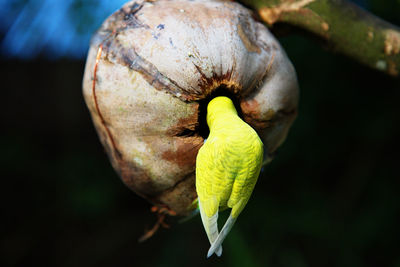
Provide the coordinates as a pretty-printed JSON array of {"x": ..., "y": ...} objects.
[{"x": 222, "y": 90}]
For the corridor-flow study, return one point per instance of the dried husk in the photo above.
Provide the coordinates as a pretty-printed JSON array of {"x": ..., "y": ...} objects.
[{"x": 149, "y": 70}]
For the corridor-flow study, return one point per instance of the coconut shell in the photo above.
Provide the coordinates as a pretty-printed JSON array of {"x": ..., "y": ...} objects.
[{"x": 152, "y": 67}]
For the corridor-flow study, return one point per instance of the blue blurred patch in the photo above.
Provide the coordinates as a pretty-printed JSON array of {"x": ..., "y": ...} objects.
[{"x": 51, "y": 28}]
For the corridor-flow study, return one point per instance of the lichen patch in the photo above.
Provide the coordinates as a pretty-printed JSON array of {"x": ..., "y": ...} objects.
[
  {"x": 392, "y": 42},
  {"x": 272, "y": 14},
  {"x": 250, "y": 46},
  {"x": 325, "y": 26},
  {"x": 381, "y": 65},
  {"x": 370, "y": 34}
]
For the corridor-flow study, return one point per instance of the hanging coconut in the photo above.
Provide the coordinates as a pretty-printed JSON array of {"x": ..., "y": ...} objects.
[{"x": 152, "y": 67}]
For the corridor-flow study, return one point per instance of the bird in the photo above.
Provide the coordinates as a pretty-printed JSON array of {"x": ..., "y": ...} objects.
[{"x": 227, "y": 168}]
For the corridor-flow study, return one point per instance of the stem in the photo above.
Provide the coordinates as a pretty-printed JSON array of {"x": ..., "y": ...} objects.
[{"x": 347, "y": 28}]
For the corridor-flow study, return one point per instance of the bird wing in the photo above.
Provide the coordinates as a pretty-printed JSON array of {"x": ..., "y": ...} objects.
[
  {"x": 247, "y": 176},
  {"x": 206, "y": 186},
  {"x": 243, "y": 186},
  {"x": 215, "y": 174}
]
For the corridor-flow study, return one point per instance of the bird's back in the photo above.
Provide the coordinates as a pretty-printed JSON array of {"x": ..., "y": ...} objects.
[
  {"x": 233, "y": 156},
  {"x": 227, "y": 168}
]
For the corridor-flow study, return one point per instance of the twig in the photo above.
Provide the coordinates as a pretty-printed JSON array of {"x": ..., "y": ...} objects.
[{"x": 346, "y": 28}]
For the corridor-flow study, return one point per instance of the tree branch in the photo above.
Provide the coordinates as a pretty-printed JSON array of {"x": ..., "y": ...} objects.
[{"x": 347, "y": 28}]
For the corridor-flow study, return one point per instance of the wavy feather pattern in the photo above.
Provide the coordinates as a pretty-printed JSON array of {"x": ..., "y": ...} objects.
[{"x": 227, "y": 167}]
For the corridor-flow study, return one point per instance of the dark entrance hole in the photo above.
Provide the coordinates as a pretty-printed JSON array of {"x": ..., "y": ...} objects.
[{"x": 222, "y": 90}]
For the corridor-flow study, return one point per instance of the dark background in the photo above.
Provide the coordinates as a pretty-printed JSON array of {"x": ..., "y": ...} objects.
[{"x": 330, "y": 197}]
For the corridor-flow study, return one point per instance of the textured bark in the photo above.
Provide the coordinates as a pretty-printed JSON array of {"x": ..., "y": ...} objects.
[{"x": 346, "y": 28}]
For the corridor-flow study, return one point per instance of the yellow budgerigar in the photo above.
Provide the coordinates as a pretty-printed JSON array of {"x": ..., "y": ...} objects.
[{"x": 227, "y": 168}]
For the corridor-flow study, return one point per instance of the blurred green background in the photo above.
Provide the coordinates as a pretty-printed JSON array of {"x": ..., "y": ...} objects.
[{"x": 330, "y": 197}]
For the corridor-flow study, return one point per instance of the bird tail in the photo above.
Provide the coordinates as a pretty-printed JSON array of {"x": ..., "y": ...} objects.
[
  {"x": 211, "y": 226},
  {"x": 221, "y": 237}
]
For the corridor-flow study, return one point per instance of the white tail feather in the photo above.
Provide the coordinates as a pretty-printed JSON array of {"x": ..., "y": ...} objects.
[
  {"x": 221, "y": 237},
  {"x": 211, "y": 227}
]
